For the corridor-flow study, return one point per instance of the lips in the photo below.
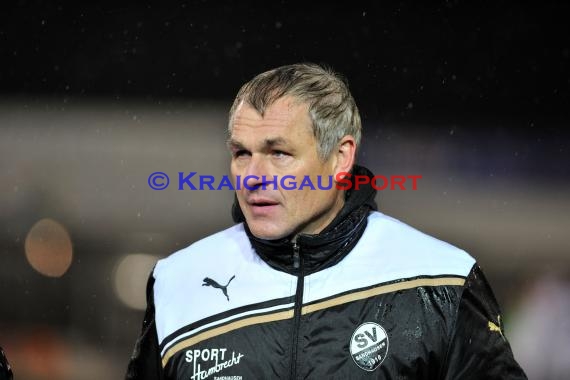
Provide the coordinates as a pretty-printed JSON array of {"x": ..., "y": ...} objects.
[
  {"x": 262, "y": 207},
  {"x": 261, "y": 202}
]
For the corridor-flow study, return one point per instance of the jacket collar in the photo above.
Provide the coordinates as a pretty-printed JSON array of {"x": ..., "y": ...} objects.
[{"x": 325, "y": 249}]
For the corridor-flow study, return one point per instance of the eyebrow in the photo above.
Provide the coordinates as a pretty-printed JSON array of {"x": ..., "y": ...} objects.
[
  {"x": 271, "y": 142},
  {"x": 234, "y": 144}
]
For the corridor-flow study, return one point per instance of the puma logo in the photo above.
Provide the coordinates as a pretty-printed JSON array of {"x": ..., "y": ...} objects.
[
  {"x": 496, "y": 327},
  {"x": 224, "y": 288}
]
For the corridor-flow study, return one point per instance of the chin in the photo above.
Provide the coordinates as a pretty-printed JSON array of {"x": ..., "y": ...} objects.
[{"x": 261, "y": 231}]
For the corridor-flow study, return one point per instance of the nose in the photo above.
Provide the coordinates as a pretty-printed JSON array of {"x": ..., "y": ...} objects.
[{"x": 256, "y": 174}]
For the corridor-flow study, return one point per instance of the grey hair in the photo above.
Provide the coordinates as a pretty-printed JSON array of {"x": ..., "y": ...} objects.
[{"x": 332, "y": 108}]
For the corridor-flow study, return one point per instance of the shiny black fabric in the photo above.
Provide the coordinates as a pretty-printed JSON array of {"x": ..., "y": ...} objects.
[
  {"x": 145, "y": 360},
  {"x": 5, "y": 369},
  {"x": 476, "y": 349}
]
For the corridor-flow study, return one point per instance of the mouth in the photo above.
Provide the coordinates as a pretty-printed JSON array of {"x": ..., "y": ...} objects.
[
  {"x": 263, "y": 203},
  {"x": 261, "y": 207}
]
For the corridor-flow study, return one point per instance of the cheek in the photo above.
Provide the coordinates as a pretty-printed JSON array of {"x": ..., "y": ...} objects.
[
  {"x": 293, "y": 202},
  {"x": 234, "y": 172},
  {"x": 304, "y": 201},
  {"x": 234, "y": 169}
]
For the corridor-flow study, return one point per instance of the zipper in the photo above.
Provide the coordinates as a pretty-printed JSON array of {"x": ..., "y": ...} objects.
[{"x": 297, "y": 264}]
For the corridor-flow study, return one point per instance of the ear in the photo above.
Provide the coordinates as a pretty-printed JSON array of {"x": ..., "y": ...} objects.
[{"x": 345, "y": 155}]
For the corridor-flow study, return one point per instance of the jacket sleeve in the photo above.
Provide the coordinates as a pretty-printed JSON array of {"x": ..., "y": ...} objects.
[
  {"x": 145, "y": 362},
  {"x": 478, "y": 348},
  {"x": 5, "y": 370}
]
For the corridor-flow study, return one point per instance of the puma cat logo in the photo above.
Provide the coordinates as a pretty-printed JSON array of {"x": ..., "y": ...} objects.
[
  {"x": 224, "y": 288},
  {"x": 496, "y": 327}
]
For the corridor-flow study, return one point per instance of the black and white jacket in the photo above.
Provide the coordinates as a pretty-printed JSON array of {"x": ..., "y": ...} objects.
[{"x": 368, "y": 298}]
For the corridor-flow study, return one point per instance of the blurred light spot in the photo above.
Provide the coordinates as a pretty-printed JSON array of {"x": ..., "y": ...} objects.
[
  {"x": 48, "y": 248},
  {"x": 131, "y": 275},
  {"x": 44, "y": 355}
]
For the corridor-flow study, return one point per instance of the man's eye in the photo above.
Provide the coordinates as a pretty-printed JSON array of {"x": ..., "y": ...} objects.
[
  {"x": 240, "y": 153},
  {"x": 280, "y": 153}
]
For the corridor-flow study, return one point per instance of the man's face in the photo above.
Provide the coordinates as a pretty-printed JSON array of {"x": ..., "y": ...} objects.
[{"x": 278, "y": 144}]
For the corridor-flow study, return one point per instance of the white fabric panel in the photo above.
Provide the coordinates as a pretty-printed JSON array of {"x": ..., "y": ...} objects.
[
  {"x": 388, "y": 250},
  {"x": 180, "y": 299}
]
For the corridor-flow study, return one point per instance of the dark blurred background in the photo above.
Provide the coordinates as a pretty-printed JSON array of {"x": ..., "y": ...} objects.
[{"x": 94, "y": 98}]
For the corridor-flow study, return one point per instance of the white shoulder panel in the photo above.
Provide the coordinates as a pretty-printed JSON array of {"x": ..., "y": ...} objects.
[
  {"x": 389, "y": 250},
  {"x": 180, "y": 297}
]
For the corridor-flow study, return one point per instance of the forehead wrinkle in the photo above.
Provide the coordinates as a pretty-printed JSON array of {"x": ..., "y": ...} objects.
[{"x": 283, "y": 110}]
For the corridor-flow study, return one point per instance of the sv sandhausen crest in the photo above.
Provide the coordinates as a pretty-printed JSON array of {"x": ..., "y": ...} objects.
[{"x": 369, "y": 346}]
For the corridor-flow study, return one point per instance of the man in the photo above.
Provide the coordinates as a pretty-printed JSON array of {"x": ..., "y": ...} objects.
[{"x": 314, "y": 283}]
